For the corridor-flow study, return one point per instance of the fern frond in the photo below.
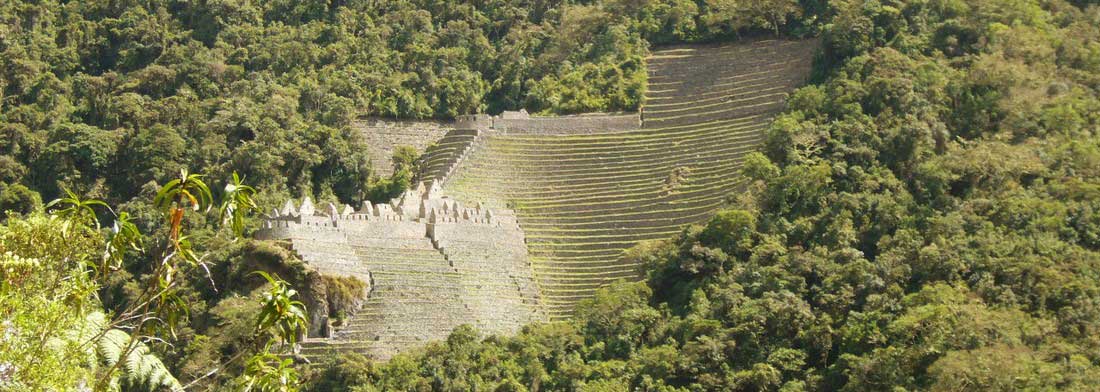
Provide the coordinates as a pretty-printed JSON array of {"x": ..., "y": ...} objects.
[{"x": 140, "y": 367}]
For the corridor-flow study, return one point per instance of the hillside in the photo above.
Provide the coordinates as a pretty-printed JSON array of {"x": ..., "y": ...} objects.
[
  {"x": 584, "y": 199},
  {"x": 506, "y": 196},
  {"x": 584, "y": 189},
  {"x": 923, "y": 217}
]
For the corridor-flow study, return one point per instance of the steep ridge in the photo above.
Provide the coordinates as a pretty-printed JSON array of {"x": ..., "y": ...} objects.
[{"x": 583, "y": 199}]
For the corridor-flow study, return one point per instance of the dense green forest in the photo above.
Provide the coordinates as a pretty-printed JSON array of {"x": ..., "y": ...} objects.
[
  {"x": 924, "y": 216},
  {"x": 105, "y": 96}
]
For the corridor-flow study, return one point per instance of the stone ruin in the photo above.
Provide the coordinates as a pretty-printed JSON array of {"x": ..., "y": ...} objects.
[
  {"x": 383, "y": 135},
  {"x": 586, "y": 188},
  {"x": 430, "y": 262},
  {"x": 522, "y": 123}
]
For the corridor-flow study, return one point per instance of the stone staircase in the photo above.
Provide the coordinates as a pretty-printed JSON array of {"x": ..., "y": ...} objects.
[{"x": 441, "y": 158}]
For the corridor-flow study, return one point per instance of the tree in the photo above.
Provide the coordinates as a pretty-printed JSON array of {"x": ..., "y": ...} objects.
[
  {"x": 122, "y": 340},
  {"x": 19, "y": 199},
  {"x": 732, "y": 16}
]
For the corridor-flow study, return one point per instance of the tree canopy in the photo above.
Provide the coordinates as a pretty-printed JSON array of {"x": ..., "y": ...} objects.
[
  {"x": 922, "y": 217},
  {"x": 925, "y": 214},
  {"x": 103, "y": 97}
]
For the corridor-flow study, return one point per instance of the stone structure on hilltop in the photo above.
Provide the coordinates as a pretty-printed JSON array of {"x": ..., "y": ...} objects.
[
  {"x": 431, "y": 264},
  {"x": 521, "y": 123}
]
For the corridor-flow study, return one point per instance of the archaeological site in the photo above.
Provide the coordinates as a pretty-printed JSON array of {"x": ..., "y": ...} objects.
[
  {"x": 535, "y": 196},
  {"x": 517, "y": 217}
]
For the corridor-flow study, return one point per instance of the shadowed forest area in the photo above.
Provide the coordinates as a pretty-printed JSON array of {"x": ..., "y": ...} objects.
[{"x": 923, "y": 215}]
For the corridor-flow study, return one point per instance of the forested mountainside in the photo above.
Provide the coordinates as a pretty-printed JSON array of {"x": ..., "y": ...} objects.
[
  {"x": 924, "y": 216},
  {"x": 105, "y": 96}
]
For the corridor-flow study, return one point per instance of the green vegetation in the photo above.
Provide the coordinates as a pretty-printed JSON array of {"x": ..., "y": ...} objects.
[
  {"x": 103, "y": 97},
  {"x": 56, "y": 271},
  {"x": 382, "y": 190},
  {"x": 584, "y": 199},
  {"x": 924, "y": 216}
]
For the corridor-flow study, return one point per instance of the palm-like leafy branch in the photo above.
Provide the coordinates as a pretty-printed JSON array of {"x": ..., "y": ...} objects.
[
  {"x": 267, "y": 372},
  {"x": 76, "y": 210},
  {"x": 280, "y": 311},
  {"x": 124, "y": 236},
  {"x": 129, "y": 360},
  {"x": 187, "y": 190},
  {"x": 237, "y": 205}
]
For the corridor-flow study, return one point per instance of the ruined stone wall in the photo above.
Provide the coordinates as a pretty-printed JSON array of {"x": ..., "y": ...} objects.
[
  {"x": 473, "y": 122},
  {"x": 501, "y": 290},
  {"x": 441, "y": 159},
  {"x": 431, "y": 264},
  {"x": 522, "y": 124},
  {"x": 383, "y": 135}
]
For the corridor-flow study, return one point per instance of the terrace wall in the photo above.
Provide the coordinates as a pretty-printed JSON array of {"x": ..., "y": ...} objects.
[
  {"x": 584, "y": 199},
  {"x": 566, "y": 125},
  {"x": 383, "y": 135}
]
